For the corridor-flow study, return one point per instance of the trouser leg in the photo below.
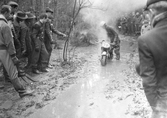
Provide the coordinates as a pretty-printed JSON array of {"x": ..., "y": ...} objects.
[
  {"x": 136, "y": 29},
  {"x": 123, "y": 29},
  {"x": 117, "y": 52},
  {"x": 11, "y": 70},
  {"x": 6, "y": 76},
  {"x": 35, "y": 57},
  {"x": 132, "y": 28},
  {"x": 129, "y": 29},
  {"x": 44, "y": 56},
  {"x": 49, "y": 50},
  {"x": 29, "y": 59},
  {"x": 111, "y": 53}
]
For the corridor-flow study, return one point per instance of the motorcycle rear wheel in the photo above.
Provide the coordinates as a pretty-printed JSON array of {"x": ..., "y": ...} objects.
[{"x": 103, "y": 60}]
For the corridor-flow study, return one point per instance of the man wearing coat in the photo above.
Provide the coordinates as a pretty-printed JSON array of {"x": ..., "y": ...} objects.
[
  {"x": 29, "y": 22},
  {"x": 17, "y": 44},
  {"x": 153, "y": 59},
  {"x": 23, "y": 31},
  {"x": 14, "y": 7},
  {"x": 49, "y": 29},
  {"x": 39, "y": 54},
  {"x": 114, "y": 40},
  {"x": 8, "y": 52}
]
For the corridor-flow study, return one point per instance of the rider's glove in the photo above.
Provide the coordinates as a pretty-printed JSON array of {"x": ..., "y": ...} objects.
[{"x": 113, "y": 43}]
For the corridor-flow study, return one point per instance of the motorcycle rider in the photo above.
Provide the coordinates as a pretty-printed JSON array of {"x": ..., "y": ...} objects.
[{"x": 114, "y": 40}]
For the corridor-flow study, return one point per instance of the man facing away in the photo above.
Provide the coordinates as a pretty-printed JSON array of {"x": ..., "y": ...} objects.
[{"x": 153, "y": 59}]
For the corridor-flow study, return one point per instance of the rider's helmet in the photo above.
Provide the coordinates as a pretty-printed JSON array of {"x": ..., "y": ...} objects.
[{"x": 102, "y": 23}]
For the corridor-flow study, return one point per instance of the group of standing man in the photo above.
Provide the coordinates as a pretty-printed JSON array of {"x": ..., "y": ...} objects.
[
  {"x": 131, "y": 24},
  {"x": 23, "y": 36}
]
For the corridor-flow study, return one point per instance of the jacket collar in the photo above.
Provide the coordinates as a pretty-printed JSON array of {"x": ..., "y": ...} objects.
[
  {"x": 2, "y": 17},
  {"x": 157, "y": 20}
]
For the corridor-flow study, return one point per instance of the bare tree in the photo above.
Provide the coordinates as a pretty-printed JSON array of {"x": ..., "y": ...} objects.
[{"x": 78, "y": 6}]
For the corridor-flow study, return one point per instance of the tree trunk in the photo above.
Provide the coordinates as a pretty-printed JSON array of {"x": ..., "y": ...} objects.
[
  {"x": 56, "y": 17},
  {"x": 43, "y": 5},
  {"x": 75, "y": 13}
]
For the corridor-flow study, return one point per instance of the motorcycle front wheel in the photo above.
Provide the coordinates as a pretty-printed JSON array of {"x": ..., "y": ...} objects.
[{"x": 103, "y": 60}]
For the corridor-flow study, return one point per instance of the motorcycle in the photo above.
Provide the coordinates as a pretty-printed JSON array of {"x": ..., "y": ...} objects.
[{"x": 106, "y": 47}]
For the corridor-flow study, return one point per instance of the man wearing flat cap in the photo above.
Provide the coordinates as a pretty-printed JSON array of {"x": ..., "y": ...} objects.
[
  {"x": 49, "y": 29},
  {"x": 14, "y": 7},
  {"x": 153, "y": 59},
  {"x": 49, "y": 10},
  {"x": 40, "y": 54}
]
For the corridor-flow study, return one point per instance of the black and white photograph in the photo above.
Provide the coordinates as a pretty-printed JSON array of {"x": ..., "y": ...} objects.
[{"x": 83, "y": 59}]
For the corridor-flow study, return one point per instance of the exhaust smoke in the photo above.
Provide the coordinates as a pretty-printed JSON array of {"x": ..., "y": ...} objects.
[{"x": 108, "y": 11}]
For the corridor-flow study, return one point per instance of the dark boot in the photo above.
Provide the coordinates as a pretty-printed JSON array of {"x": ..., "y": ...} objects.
[
  {"x": 35, "y": 71},
  {"x": 111, "y": 54},
  {"x": 118, "y": 57},
  {"x": 27, "y": 66},
  {"x": 21, "y": 89},
  {"x": 1, "y": 86},
  {"x": 44, "y": 70},
  {"x": 43, "y": 67},
  {"x": 49, "y": 66}
]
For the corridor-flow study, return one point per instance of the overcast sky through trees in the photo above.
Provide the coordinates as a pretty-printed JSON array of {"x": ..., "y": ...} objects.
[{"x": 110, "y": 10}]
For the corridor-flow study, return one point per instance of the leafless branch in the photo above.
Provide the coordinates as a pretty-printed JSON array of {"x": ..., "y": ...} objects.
[
  {"x": 97, "y": 8},
  {"x": 78, "y": 6}
]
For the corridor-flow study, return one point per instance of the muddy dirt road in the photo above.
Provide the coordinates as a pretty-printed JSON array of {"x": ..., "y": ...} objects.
[
  {"x": 83, "y": 89},
  {"x": 113, "y": 91}
]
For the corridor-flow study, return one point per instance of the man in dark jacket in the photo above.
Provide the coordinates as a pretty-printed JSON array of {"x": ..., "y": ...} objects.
[
  {"x": 49, "y": 29},
  {"x": 114, "y": 40},
  {"x": 40, "y": 54},
  {"x": 29, "y": 22},
  {"x": 16, "y": 25},
  {"x": 8, "y": 52},
  {"x": 153, "y": 59},
  {"x": 21, "y": 16}
]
